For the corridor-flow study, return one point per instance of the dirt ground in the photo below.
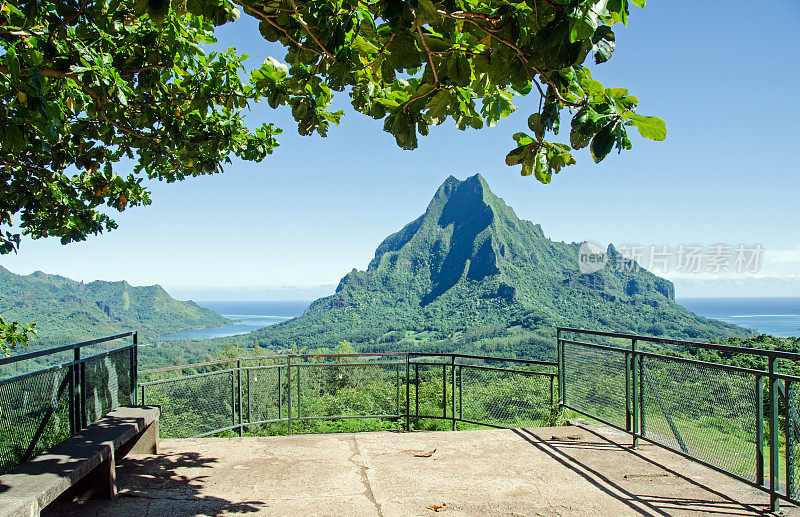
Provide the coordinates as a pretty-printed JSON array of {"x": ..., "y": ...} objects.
[{"x": 577, "y": 470}]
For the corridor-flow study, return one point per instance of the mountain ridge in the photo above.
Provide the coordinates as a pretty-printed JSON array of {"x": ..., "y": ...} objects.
[
  {"x": 67, "y": 310},
  {"x": 470, "y": 262}
]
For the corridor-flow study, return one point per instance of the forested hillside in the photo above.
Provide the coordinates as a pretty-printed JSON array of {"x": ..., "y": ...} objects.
[
  {"x": 65, "y": 310},
  {"x": 469, "y": 275}
]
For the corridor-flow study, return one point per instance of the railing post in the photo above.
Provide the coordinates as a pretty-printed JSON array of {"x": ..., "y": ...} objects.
[
  {"x": 76, "y": 390},
  {"x": 83, "y": 415},
  {"x": 408, "y": 393},
  {"x": 397, "y": 388},
  {"x": 628, "y": 413},
  {"x": 298, "y": 391},
  {"x": 280, "y": 394},
  {"x": 444, "y": 391},
  {"x": 289, "y": 393},
  {"x": 71, "y": 403},
  {"x": 789, "y": 430},
  {"x": 453, "y": 382},
  {"x": 560, "y": 359},
  {"x": 249, "y": 407},
  {"x": 774, "y": 437},
  {"x": 759, "y": 431},
  {"x": 637, "y": 422},
  {"x": 461, "y": 392},
  {"x": 233, "y": 400},
  {"x": 134, "y": 367},
  {"x": 416, "y": 391},
  {"x": 144, "y": 402},
  {"x": 239, "y": 394}
]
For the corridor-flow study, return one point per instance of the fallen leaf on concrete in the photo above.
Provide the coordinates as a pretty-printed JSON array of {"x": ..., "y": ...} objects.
[
  {"x": 436, "y": 507},
  {"x": 424, "y": 454}
]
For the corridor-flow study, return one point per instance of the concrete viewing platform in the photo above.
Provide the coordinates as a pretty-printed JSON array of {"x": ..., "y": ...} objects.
[{"x": 575, "y": 470}]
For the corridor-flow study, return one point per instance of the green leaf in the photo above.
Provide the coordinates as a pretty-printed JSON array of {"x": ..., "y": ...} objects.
[
  {"x": 540, "y": 167},
  {"x": 653, "y": 128},
  {"x": 515, "y": 156},
  {"x": 426, "y": 13},
  {"x": 158, "y": 10},
  {"x": 585, "y": 18},
  {"x": 404, "y": 52},
  {"x": 268, "y": 32},
  {"x": 579, "y": 140},
  {"x": 535, "y": 124},
  {"x": 639, "y": 3},
  {"x": 522, "y": 139},
  {"x": 551, "y": 118},
  {"x": 12, "y": 62},
  {"x": 403, "y": 128},
  {"x": 121, "y": 97},
  {"x": 439, "y": 105},
  {"x": 458, "y": 70},
  {"x": 603, "y": 41},
  {"x": 602, "y": 142}
]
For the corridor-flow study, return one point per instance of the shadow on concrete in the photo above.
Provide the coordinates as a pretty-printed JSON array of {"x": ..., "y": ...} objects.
[
  {"x": 164, "y": 484},
  {"x": 648, "y": 504},
  {"x": 750, "y": 507}
]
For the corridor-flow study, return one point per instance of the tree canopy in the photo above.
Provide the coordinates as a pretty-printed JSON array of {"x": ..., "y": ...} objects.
[
  {"x": 416, "y": 63},
  {"x": 97, "y": 96}
]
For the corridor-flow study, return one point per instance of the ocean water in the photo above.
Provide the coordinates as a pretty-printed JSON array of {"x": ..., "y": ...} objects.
[
  {"x": 775, "y": 316},
  {"x": 246, "y": 316}
]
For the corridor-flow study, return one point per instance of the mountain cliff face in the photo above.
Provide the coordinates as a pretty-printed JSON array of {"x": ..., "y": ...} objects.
[
  {"x": 66, "y": 311},
  {"x": 470, "y": 263}
]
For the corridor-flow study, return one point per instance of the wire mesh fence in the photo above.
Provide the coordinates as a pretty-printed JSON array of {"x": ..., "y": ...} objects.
[
  {"x": 264, "y": 394},
  {"x": 41, "y": 408},
  {"x": 431, "y": 389},
  {"x": 740, "y": 421},
  {"x": 595, "y": 380},
  {"x": 34, "y": 414},
  {"x": 792, "y": 438},
  {"x": 194, "y": 405},
  {"x": 350, "y": 392},
  {"x": 504, "y": 397},
  {"x": 702, "y": 410},
  {"x": 108, "y": 383}
]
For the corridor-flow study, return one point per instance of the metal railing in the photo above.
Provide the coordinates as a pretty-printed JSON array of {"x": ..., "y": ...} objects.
[
  {"x": 740, "y": 421},
  {"x": 288, "y": 393},
  {"x": 41, "y": 408}
]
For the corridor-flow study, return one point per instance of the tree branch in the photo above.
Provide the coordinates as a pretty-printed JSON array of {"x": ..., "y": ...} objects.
[
  {"x": 430, "y": 57},
  {"x": 267, "y": 18},
  {"x": 308, "y": 30}
]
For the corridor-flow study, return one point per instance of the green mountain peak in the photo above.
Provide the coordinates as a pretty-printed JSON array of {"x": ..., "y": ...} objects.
[{"x": 469, "y": 262}]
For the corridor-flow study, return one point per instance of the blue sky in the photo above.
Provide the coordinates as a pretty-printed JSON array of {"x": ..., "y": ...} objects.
[{"x": 722, "y": 74}]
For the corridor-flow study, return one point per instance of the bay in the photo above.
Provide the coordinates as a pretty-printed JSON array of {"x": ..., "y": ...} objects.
[{"x": 247, "y": 316}]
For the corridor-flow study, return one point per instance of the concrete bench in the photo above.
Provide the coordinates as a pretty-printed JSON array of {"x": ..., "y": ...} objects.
[{"x": 82, "y": 466}]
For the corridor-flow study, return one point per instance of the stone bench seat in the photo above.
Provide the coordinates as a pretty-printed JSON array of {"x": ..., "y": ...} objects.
[{"x": 83, "y": 465}]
